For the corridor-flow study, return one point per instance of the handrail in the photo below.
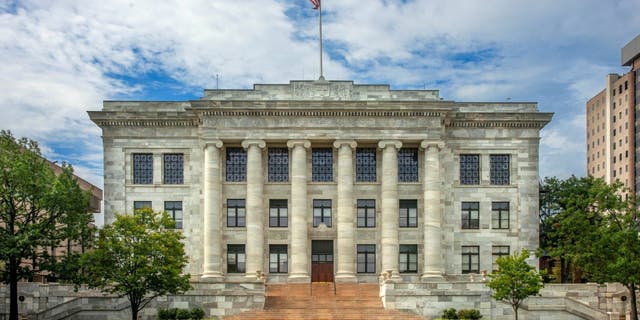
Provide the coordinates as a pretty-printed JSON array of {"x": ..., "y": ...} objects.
[{"x": 334, "y": 283}]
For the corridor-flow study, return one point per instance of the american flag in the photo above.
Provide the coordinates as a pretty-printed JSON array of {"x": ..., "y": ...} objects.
[{"x": 316, "y": 4}]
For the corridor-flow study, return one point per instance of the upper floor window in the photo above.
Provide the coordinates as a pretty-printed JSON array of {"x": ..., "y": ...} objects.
[
  {"x": 141, "y": 204},
  {"x": 278, "y": 213},
  {"x": 366, "y": 213},
  {"x": 321, "y": 212},
  {"x": 236, "y": 165},
  {"x": 236, "y": 213},
  {"x": 470, "y": 259},
  {"x": 142, "y": 168},
  {"x": 497, "y": 252},
  {"x": 408, "y": 213},
  {"x": 365, "y": 164},
  {"x": 366, "y": 259},
  {"x": 499, "y": 169},
  {"x": 236, "y": 259},
  {"x": 278, "y": 262},
  {"x": 173, "y": 168},
  {"x": 322, "y": 164},
  {"x": 408, "y": 258},
  {"x": 469, "y": 169},
  {"x": 278, "y": 164},
  {"x": 174, "y": 209},
  {"x": 500, "y": 215},
  {"x": 470, "y": 215},
  {"x": 408, "y": 165}
]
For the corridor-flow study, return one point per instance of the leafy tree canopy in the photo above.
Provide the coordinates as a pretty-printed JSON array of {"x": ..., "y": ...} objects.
[{"x": 139, "y": 256}]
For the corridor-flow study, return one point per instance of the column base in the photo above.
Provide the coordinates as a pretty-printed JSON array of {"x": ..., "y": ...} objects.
[
  {"x": 432, "y": 276},
  {"x": 346, "y": 277},
  {"x": 212, "y": 277},
  {"x": 299, "y": 278}
]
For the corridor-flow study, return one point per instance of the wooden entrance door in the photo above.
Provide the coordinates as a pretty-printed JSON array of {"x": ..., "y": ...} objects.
[{"x": 322, "y": 261}]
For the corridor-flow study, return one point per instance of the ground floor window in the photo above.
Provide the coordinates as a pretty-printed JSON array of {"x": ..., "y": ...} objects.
[
  {"x": 497, "y": 252},
  {"x": 321, "y": 212},
  {"x": 408, "y": 258},
  {"x": 141, "y": 204},
  {"x": 174, "y": 209},
  {"x": 470, "y": 259},
  {"x": 366, "y": 258},
  {"x": 236, "y": 258},
  {"x": 278, "y": 262}
]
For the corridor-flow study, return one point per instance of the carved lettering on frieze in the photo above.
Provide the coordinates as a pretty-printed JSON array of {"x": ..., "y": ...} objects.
[{"x": 306, "y": 90}]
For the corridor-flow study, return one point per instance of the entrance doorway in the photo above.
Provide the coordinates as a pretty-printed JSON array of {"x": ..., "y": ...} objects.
[{"x": 321, "y": 261}]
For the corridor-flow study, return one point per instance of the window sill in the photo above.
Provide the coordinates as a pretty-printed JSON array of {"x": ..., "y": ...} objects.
[{"x": 158, "y": 185}]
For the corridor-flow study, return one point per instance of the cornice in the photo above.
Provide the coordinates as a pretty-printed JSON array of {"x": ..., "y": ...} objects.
[
  {"x": 147, "y": 123},
  {"x": 495, "y": 124},
  {"x": 316, "y": 113}
]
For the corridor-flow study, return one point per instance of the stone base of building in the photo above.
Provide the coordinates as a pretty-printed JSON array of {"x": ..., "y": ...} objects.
[{"x": 427, "y": 299}]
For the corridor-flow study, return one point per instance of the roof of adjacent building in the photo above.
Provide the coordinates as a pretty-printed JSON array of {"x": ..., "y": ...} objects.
[{"x": 630, "y": 52}]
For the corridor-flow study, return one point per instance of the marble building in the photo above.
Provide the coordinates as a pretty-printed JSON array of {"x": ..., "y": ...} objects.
[{"x": 316, "y": 181}]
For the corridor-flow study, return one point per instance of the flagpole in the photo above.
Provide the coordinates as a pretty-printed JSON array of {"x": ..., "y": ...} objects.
[{"x": 320, "y": 27}]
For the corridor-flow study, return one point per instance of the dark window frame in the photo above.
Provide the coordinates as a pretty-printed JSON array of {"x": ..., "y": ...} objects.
[
  {"x": 323, "y": 207},
  {"x": 468, "y": 210},
  {"x": 408, "y": 168},
  {"x": 366, "y": 213},
  {"x": 495, "y": 254},
  {"x": 239, "y": 262},
  {"x": 142, "y": 204},
  {"x": 278, "y": 218},
  {"x": 236, "y": 164},
  {"x": 468, "y": 255},
  {"x": 408, "y": 213},
  {"x": 142, "y": 164},
  {"x": 410, "y": 254},
  {"x": 278, "y": 164},
  {"x": 173, "y": 168},
  {"x": 322, "y": 165},
  {"x": 279, "y": 253},
  {"x": 366, "y": 164},
  {"x": 366, "y": 258},
  {"x": 500, "y": 209},
  {"x": 469, "y": 169},
  {"x": 236, "y": 213},
  {"x": 500, "y": 165},
  {"x": 172, "y": 208}
]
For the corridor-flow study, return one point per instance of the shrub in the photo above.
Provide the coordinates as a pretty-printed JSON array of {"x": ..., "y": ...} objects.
[
  {"x": 197, "y": 313},
  {"x": 183, "y": 314},
  {"x": 163, "y": 314},
  {"x": 449, "y": 314},
  {"x": 471, "y": 314}
]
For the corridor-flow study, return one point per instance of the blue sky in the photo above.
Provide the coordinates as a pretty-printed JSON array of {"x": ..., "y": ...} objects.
[{"x": 61, "y": 58}]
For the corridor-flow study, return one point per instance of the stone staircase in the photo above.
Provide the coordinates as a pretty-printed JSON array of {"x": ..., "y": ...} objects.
[{"x": 318, "y": 301}]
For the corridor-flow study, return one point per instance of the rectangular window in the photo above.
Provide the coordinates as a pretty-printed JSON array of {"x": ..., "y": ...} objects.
[
  {"x": 236, "y": 165},
  {"x": 236, "y": 213},
  {"x": 278, "y": 213},
  {"x": 173, "y": 168},
  {"x": 278, "y": 164},
  {"x": 366, "y": 213},
  {"x": 322, "y": 164},
  {"x": 174, "y": 209},
  {"x": 321, "y": 212},
  {"x": 497, "y": 252},
  {"x": 365, "y": 164},
  {"x": 408, "y": 258},
  {"x": 236, "y": 258},
  {"x": 469, "y": 169},
  {"x": 470, "y": 259},
  {"x": 500, "y": 169},
  {"x": 366, "y": 258},
  {"x": 500, "y": 215},
  {"x": 142, "y": 168},
  {"x": 408, "y": 213},
  {"x": 141, "y": 204},
  {"x": 278, "y": 259},
  {"x": 470, "y": 215},
  {"x": 408, "y": 165}
]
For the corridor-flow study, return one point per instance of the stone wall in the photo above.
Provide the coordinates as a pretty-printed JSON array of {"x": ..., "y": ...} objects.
[
  {"x": 556, "y": 301},
  {"x": 59, "y": 301}
]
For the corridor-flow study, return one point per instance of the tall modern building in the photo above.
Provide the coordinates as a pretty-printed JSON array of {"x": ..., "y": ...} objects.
[{"x": 613, "y": 133}]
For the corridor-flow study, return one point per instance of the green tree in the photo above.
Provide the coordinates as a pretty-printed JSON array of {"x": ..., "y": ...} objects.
[
  {"x": 139, "y": 256},
  {"x": 515, "y": 280},
  {"x": 597, "y": 227},
  {"x": 37, "y": 209}
]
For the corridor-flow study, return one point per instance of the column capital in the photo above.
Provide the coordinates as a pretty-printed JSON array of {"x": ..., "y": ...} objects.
[
  {"x": 350, "y": 143},
  {"x": 426, "y": 144},
  {"x": 304, "y": 143},
  {"x": 259, "y": 143},
  {"x": 213, "y": 143},
  {"x": 390, "y": 143}
]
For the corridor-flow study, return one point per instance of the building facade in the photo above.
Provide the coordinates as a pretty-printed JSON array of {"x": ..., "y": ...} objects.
[
  {"x": 323, "y": 180},
  {"x": 613, "y": 133}
]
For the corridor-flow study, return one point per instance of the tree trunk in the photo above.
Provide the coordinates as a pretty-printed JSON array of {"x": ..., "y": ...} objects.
[
  {"x": 134, "y": 311},
  {"x": 633, "y": 302},
  {"x": 13, "y": 288},
  {"x": 515, "y": 309}
]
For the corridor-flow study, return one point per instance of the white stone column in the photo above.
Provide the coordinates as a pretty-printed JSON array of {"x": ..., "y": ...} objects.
[
  {"x": 212, "y": 233},
  {"x": 299, "y": 248},
  {"x": 389, "y": 204},
  {"x": 255, "y": 213},
  {"x": 433, "y": 266},
  {"x": 346, "y": 261}
]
